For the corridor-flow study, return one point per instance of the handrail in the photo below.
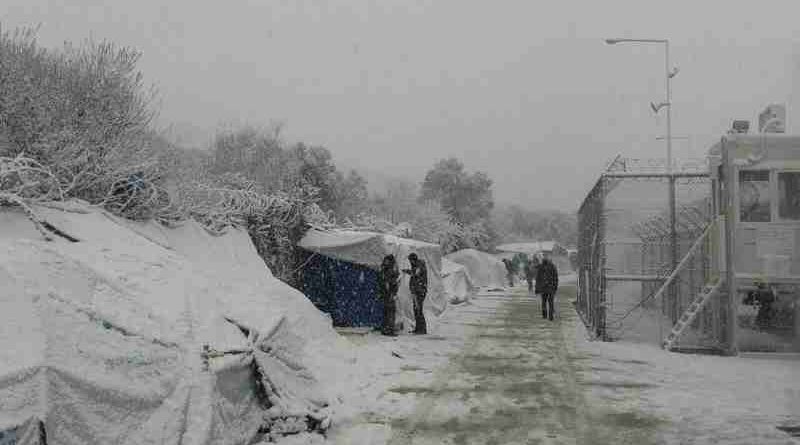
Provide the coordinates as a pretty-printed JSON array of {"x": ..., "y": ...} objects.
[{"x": 699, "y": 242}]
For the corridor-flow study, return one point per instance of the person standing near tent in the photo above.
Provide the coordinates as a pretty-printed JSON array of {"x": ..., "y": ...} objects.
[
  {"x": 547, "y": 285},
  {"x": 388, "y": 285},
  {"x": 418, "y": 285}
]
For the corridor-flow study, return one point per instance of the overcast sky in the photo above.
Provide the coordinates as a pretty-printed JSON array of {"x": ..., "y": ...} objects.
[{"x": 524, "y": 90}]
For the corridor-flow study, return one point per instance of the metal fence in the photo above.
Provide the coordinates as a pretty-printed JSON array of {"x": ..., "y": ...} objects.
[{"x": 636, "y": 225}]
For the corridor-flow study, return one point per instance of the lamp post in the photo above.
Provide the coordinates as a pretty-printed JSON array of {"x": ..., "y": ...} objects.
[{"x": 669, "y": 74}]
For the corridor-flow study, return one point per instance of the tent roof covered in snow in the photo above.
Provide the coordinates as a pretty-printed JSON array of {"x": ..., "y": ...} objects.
[
  {"x": 366, "y": 248},
  {"x": 139, "y": 334},
  {"x": 533, "y": 247}
]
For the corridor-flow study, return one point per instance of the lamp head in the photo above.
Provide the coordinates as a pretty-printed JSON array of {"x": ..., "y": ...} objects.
[
  {"x": 655, "y": 107},
  {"x": 612, "y": 41}
]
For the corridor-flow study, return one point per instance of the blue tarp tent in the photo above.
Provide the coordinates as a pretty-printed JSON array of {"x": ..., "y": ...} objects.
[
  {"x": 347, "y": 291},
  {"x": 339, "y": 275}
]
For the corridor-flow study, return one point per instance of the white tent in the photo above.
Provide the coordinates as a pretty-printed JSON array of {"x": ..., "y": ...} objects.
[
  {"x": 369, "y": 249},
  {"x": 457, "y": 282},
  {"x": 137, "y": 334},
  {"x": 532, "y": 248},
  {"x": 484, "y": 269}
]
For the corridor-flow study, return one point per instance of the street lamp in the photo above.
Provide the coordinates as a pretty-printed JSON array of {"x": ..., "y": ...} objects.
[{"x": 669, "y": 74}]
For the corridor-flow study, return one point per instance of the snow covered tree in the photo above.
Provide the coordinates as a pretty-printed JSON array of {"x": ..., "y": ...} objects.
[{"x": 466, "y": 197}]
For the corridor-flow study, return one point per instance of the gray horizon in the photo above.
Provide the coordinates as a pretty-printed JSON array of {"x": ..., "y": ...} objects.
[{"x": 525, "y": 91}]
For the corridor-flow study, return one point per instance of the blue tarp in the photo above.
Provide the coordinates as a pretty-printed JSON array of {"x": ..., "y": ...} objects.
[{"x": 347, "y": 291}]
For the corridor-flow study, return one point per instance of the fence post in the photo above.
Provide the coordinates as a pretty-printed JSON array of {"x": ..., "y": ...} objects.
[{"x": 730, "y": 243}]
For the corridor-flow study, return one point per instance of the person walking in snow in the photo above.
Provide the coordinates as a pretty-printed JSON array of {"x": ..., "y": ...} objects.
[
  {"x": 547, "y": 285},
  {"x": 530, "y": 272},
  {"x": 418, "y": 285},
  {"x": 509, "y": 271},
  {"x": 388, "y": 285}
]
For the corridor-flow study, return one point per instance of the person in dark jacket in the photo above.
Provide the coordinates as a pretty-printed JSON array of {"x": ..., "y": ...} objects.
[
  {"x": 418, "y": 285},
  {"x": 762, "y": 297},
  {"x": 509, "y": 271},
  {"x": 547, "y": 285},
  {"x": 530, "y": 272},
  {"x": 388, "y": 284}
]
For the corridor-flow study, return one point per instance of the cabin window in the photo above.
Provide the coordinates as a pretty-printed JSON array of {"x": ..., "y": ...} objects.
[
  {"x": 789, "y": 195},
  {"x": 754, "y": 199}
]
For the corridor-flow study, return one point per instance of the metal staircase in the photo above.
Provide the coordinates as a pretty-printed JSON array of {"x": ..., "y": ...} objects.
[
  {"x": 691, "y": 312},
  {"x": 712, "y": 287}
]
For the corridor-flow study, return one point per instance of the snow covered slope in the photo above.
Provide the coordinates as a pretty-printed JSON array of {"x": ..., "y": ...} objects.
[{"x": 140, "y": 334}]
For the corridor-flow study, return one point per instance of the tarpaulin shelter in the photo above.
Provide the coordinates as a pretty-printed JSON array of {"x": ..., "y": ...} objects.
[
  {"x": 133, "y": 333},
  {"x": 456, "y": 280},
  {"x": 339, "y": 275},
  {"x": 532, "y": 248},
  {"x": 484, "y": 269}
]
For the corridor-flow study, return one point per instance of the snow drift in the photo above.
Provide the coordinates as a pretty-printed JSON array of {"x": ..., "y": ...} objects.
[
  {"x": 484, "y": 269},
  {"x": 456, "y": 280},
  {"x": 138, "y": 334}
]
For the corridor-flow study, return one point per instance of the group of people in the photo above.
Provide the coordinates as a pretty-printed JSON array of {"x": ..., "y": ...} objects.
[
  {"x": 389, "y": 284},
  {"x": 542, "y": 271}
]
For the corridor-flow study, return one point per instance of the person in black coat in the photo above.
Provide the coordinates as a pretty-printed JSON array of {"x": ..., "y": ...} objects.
[
  {"x": 547, "y": 285},
  {"x": 509, "y": 271},
  {"x": 388, "y": 285},
  {"x": 418, "y": 285},
  {"x": 762, "y": 297},
  {"x": 531, "y": 267}
]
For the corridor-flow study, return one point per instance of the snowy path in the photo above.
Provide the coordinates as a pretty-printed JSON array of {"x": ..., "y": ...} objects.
[
  {"x": 495, "y": 372},
  {"x": 517, "y": 380}
]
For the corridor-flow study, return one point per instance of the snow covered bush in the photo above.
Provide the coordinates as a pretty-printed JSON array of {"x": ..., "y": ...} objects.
[{"x": 83, "y": 114}]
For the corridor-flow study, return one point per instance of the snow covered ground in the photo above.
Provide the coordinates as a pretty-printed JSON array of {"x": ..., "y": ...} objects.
[{"x": 492, "y": 371}]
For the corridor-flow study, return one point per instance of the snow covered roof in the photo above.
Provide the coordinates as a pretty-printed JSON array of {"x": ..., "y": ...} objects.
[
  {"x": 531, "y": 247},
  {"x": 366, "y": 248},
  {"x": 776, "y": 140}
]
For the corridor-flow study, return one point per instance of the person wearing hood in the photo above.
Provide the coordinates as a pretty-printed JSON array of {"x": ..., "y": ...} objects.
[
  {"x": 547, "y": 286},
  {"x": 418, "y": 285},
  {"x": 388, "y": 285}
]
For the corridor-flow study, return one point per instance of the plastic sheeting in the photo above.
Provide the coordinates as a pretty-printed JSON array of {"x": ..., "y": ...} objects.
[
  {"x": 369, "y": 249},
  {"x": 456, "y": 280},
  {"x": 139, "y": 334},
  {"x": 484, "y": 269}
]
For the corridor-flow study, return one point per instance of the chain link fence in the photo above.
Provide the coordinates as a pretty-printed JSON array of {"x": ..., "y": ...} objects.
[{"x": 629, "y": 244}]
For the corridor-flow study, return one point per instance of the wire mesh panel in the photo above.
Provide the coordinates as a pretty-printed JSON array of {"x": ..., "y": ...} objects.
[{"x": 630, "y": 243}]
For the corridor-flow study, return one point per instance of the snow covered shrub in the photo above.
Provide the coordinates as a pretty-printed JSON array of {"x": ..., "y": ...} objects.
[{"x": 84, "y": 114}]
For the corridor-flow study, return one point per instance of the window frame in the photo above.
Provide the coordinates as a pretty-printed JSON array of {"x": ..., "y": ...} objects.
[
  {"x": 773, "y": 192},
  {"x": 777, "y": 194}
]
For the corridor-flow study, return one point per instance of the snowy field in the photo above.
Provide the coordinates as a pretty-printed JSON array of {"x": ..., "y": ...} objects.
[{"x": 493, "y": 372}]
